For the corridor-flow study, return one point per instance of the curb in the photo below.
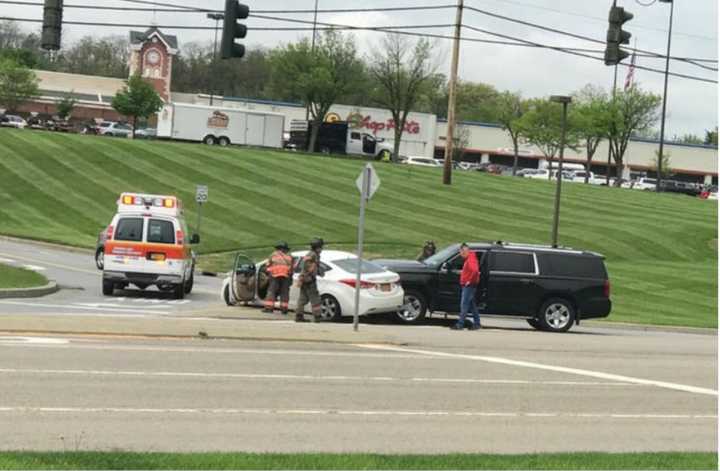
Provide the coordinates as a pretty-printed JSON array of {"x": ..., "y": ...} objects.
[
  {"x": 42, "y": 243},
  {"x": 37, "y": 292},
  {"x": 651, "y": 328}
]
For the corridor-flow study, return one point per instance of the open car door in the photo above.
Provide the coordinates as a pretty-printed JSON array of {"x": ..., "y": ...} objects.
[{"x": 244, "y": 279}]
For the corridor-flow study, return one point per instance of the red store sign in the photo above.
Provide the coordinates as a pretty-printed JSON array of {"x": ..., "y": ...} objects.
[{"x": 358, "y": 121}]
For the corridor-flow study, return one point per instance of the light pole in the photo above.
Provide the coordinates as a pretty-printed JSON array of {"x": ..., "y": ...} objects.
[
  {"x": 565, "y": 100},
  {"x": 664, "y": 104},
  {"x": 217, "y": 17}
]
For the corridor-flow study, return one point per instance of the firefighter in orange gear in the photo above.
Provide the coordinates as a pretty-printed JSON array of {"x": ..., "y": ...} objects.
[{"x": 279, "y": 268}]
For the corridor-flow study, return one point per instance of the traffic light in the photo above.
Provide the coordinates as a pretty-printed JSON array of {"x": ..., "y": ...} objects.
[
  {"x": 52, "y": 25},
  {"x": 616, "y": 36},
  {"x": 234, "y": 11}
]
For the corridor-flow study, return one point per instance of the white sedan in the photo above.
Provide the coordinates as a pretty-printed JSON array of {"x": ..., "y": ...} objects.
[{"x": 380, "y": 289}]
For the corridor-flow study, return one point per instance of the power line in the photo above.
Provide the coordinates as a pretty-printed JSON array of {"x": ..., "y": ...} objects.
[
  {"x": 572, "y": 35},
  {"x": 188, "y": 9},
  {"x": 513, "y": 41},
  {"x": 604, "y": 20}
]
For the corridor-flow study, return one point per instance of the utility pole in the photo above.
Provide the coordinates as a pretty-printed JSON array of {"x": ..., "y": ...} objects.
[
  {"x": 452, "y": 86},
  {"x": 312, "y": 49},
  {"x": 609, "y": 164},
  {"x": 665, "y": 92},
  {"x": 565, "y": 101},
  {"x": 217, "y": 17}
]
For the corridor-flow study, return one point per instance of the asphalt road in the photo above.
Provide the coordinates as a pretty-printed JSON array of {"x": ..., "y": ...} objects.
[
  {"x": 506, "y": 389},
  {"x": 81, "y": 290}
]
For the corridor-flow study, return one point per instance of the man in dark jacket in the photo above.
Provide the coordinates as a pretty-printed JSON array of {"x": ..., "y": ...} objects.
[
  {"x": 307, "y": 282},
  {"x": 469, "y": 281}
]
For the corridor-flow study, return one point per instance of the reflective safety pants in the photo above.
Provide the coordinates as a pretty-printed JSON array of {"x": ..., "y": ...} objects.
[
  {"x": 308, "y": 294},
  {"x": 278, "y": 287}
]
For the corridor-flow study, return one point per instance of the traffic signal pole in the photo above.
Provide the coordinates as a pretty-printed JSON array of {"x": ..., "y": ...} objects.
[
  {"x": 609, "y": 164},
  {"x": 452, "y": 86}
]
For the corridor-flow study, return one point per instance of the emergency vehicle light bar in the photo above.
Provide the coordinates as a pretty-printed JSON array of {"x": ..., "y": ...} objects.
[{"x": 133, "y": 202}]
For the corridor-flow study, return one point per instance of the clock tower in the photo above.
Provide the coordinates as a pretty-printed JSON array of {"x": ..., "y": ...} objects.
[{"x": 151, "y": 56}]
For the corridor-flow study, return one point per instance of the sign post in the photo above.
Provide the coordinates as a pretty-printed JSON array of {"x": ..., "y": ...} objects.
[
  {"x": 368, "y": 183},
  {"x": 201, "y": 197}
]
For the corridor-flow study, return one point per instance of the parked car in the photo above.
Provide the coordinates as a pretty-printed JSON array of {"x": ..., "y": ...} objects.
[
  {"x": 146, "y": 133},
  {"x": 538, "y": 174},
  {"x": 422, "y": 161},
  {"x": 645, "y": 184},
  {"x": 380, "y": 289},
  {"x": 552, "y": 288},
  {"x": 13, "y": 121},
  {"x": 111, "y": 128}
]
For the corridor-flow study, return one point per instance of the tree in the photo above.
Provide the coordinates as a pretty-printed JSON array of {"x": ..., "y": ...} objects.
[
  {"x": 65, "y": 106},
  {"x": 690, "y": 139},
  {"x": 462, "y": 141},
  {"x": 17, "y": 84},
  {"x": 711, "y": 137},
  {"x": 401, "y": 71},
  {"x": 590, "y": 115},
  {"x": 137, "y": 99},
  {"x": 632, "y": 111},
  {"x": 665, "y": 164},
  {"x": 319, "y": 77},
  {"x": 510, "y": 109}
]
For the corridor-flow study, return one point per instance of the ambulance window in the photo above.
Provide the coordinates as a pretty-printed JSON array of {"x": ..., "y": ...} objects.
[
  {"x": 161, "y": 232},
  {"x": 130, "y": 229}
]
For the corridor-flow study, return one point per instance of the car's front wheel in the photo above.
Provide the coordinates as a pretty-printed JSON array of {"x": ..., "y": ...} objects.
[
  {"x": 413, "y": 309},
  {"x": 557, "y": 315},
  {"x": 226, "y": 296},
  {"x": 330, "y": 308},
  {"x": 100, "y": 258}
]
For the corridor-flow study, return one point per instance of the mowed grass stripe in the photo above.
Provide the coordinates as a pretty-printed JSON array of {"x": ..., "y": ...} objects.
[{"x": 487, "y": 205}]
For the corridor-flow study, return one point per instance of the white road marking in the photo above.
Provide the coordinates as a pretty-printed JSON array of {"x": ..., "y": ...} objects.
[
  {"x": 33, "y": 267},
  {"x": 540, "y": 366},
  {"x": 7, "y": 260},
  {"x": 113, "y": 306},
  {"x": 408, "y": 413},
  {"x": 183, "y": 374},
  {"x": 72, "y": 306},
  {"x": 34, "y": 340}
]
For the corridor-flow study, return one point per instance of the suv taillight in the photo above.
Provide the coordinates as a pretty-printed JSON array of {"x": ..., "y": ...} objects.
[
  {"x": 606, "y": 289},
  {"x": 109, "y": 233}
]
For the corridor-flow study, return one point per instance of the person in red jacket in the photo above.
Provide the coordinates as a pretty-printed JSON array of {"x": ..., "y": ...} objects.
[{"x": 469, "y": 281}]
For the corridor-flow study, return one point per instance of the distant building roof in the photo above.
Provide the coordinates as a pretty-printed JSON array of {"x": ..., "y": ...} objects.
[
  {"x": 138, "y": 37},
  {"x": 61, "y": 82}
]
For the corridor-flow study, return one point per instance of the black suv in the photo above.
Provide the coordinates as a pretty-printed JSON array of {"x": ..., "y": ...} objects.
[{"x": 550, "y": 287}]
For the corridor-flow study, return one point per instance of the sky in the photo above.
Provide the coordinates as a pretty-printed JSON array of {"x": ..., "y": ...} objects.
[{"x": 692, "y": 105}]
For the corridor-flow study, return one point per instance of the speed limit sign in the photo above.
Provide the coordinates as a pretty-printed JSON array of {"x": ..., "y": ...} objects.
[{"x": 201, "y": 194}]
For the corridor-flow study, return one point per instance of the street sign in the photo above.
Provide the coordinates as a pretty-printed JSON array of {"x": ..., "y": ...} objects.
[
  {"x": 201, "y": 194},
  {"x": 368, "y": 181}
]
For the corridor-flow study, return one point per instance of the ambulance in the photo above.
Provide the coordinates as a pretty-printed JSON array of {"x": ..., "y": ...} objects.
[{"x": 148, "y": 244}]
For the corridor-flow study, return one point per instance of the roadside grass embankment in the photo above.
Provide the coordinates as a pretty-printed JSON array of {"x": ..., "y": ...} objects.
[
  {"x": 14, "y": 277},
  {"x": 661, "y": 249},
  {"x": 211, "y": 461}
]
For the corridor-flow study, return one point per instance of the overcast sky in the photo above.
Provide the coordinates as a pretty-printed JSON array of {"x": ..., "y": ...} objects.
[{"x": 692, "y": 105}]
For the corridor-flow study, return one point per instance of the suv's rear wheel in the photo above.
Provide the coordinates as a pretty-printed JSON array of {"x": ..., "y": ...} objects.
[
  {"x": 557, "y": 315},
  {"x": 189, "y": 283},
  {"x": 100, "y": 258},
  {"x": 413, "y": 309},
  {"x": 108, "y": 288},
  {"x": 179, "y": 291}
]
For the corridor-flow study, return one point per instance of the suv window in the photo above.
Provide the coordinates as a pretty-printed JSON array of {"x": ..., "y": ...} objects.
[
  {"x": 512, "y": 262},
  {"x": 576, "y": 266},
  {"x": 161, "y": 232},
  {"x": 458, "y": 262},
  {"x": 130, "y": 229}
]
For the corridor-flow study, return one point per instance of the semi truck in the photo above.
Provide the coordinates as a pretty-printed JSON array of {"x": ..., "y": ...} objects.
[
  {"x": 338, "y": 138},
  {"x": 220, "y": 126}
]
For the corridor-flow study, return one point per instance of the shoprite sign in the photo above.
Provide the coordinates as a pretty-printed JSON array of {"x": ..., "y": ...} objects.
[{"x": 359, "y": 121}]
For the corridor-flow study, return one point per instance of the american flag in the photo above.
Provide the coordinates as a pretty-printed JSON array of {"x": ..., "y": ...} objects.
[{"x": 631, "y": 72}]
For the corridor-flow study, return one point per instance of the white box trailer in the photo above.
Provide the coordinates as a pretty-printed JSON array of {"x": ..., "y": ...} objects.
[{"x": 223, "y": 126}]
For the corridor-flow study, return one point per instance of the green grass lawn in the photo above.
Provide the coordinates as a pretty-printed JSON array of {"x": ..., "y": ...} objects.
[
  {"x": 92, "y": 460},
  {"x": 661, "y": 249},
  {"x": 14, "y": 277}
]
